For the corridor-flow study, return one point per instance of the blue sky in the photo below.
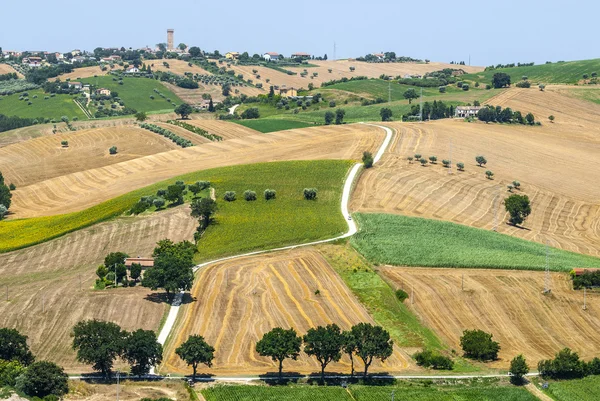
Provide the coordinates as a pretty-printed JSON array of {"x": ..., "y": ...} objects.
[{"x": 490, "y": 31}]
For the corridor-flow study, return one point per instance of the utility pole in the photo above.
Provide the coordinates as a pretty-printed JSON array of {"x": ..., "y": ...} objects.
[{"x": 334, "y": 51}]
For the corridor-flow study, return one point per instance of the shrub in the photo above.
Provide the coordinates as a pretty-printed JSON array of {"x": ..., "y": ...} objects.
[
  {"x": 42, "y": 379},
  {"x": 477, "y": 344},
  {"x": 251, "y": 113},
  {"x": 332, "y": 104},
  {"x": 229, "y": 196},
  {"x": 446, "y": 163},
  {"x": 429, "y": 359},
  {"x": 423, "y": 162},
  {"x": 158, "y": 203},
  {"x": 249, "y": 195},
  {"x": 433, "y": 159},
  {"x": 310, "y": 193},
  {"x": 367, "y": 159},
  {"x": 113, "y": 150},
  {"x": 565, "y": 365},
  {"x": 410, "y": 159},
  {"x": 64, "y": 143},
  {"x": 3, "y": 211},
  {"x": 270, "y": 194},
  {"x": 518, "y": 369},
  {"x": 417, "y": 156},
  {"x": 481, "y": 160},
  {"x": 401, "y": 295},
  {"x": 489, "y": 174},
  {"x": 12, "y": 186},
  {"x": 516, "y": 184}
]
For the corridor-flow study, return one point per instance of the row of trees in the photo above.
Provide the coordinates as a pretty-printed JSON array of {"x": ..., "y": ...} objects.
[
  {"x": 499, "y": 115},
  {"x": 5, "y": 196},
  {"x": 567, "y": 365},
  {"x": 338, "y": 116}
]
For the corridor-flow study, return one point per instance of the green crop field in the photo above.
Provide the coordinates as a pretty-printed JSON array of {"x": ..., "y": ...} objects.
[
  {"x": 413, "y": 241},
  {"x": 52, "y": 108},
  {"x": 272, "y": 125},
  {"x": 136, "y": 92},
  {"x": 240, "y": 225},
  {"x": 586, "y": 389},
  {"x": 378, "y": 88},
  {"x": 569, "y": 72},
  {"x": 275, "y": 393}
]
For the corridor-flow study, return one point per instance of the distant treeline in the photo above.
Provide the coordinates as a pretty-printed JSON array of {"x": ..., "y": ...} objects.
[
  {"x": 9, "y": 76},
  {"x": 7, "y": 123},
  {"x": 495, "y": 67}
]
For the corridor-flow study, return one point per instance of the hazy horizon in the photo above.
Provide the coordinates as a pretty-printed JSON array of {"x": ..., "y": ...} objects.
[{"x": 526, "y": 31}]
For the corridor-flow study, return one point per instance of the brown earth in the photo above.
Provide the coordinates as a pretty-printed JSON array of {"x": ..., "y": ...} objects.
[
  {"x": 7, "y": 69},
  {"x": 236, "y": 302},
  {"x": 43, "y": 158},
  {"x": 83, "y": 189},
  {"x": 50, "y": 286},
  {"x": 507, "y": 303},
  {"x": 128, "y": 390},
  {"x": 552, "y": 162}
]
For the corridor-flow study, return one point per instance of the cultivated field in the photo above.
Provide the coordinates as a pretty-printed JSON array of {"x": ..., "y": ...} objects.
[
  {"x": 27, "y": 133},
  {"x": 40, "y": 107},
  {"x": 43, "y": 158},
  {"x": 586, "y": 389},
  {"x": 182, "y": 132},
  {"x": 129, "y": 390},
  {"x": 508, "y": 304},
  {"x": 77, "y": 191},
  {"x": 237, "y": 302},
  {"x": 80, "y": 73},
  {"x": 7, "y": 69},
  {"x": 50, "y": 285},
  {"x": 225, "y": 129},
  {"x": 552, "y": 162}
]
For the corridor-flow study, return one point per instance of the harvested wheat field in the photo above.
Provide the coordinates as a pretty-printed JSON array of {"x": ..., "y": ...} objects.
[
  {"x": 339, "y": 69},
  {"x": 236, "y": 302},
  {"x": 179, "y": 67},
  {"x": 225, "y": 129},
  {"x": 182, "y": 132},
  {"x": 77, "y": 191},
  {"x": 26, "y": 133},
  {"x": 507, "y": 303},
  {"x": 43, "y": 158},
  {"x": 7, "y": 69},
  {"x": 565, "y": 210},
  {"x": 80, "y": 73},
  {"x": 50, "y": 285}
]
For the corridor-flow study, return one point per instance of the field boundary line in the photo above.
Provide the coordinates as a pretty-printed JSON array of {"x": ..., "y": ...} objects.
[
  {"x": 167, "y": 328},
  {"x": 85, "y": 111}
]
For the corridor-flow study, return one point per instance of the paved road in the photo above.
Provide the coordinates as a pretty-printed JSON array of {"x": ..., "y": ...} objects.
[{"x": 232, "y": 108}]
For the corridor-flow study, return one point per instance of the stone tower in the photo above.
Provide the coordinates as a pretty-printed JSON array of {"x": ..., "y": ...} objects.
[{"x": 170, "y": 45}]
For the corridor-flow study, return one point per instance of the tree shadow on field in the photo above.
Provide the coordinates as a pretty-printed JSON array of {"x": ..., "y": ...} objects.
[
  {"x": 272, "y": 378},
  {"x": 519, "y": 227},
  {"x": 374, "y": 379},
  {"x": 161, "y": 298}
]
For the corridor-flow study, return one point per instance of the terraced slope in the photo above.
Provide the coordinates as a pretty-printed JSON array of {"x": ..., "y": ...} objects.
[
  {"x": 508, "y": 304},
  {"x": 237, "y": 302}
]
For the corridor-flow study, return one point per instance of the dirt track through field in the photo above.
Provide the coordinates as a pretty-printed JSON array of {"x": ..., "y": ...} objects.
[
  {"x": 508, "y": 304},
  {"x": 237, "y": 301},
  {"x": 565, "y": 208},
  {"x": 50, "y": 285},
  {"x": 43, "y": 158},
  {"x": 83, "y": 189}
]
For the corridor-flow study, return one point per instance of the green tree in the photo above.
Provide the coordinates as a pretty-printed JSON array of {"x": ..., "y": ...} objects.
[
  {"x": 3, "y": 211},
  {"x": 481, "y": 160},
  {"x": 184, "y": 110},
  {"x": 141, "y": 116},
  {"x": 280, "y": 344},
  {"x": 5, "y": 195},
  {"x": 530, "y": 119},
  {"x": 229, "y": 196},
  {"x": 433, "y": 159},
  {"x": 195, "y": 188},
  {"x": 159, "y": 203},
  {"x": 410, "y": 94},
  {"x": 551, "y": 118},
  {"x": 372, "y": 342},
  {"x": 142, "y": 351},
  {"x": 9, "y": 372},
  {"x": 500, "y": 80},
  {"x": 565, "y": 365},
  {"x": 175, "y": 194},
  {"x": 98, "y": 343},
  {"x": 194, "y": 51},
  {"x": 196, "y": 351},
  {"x": 270, "y": 194},
  {"x": 460, "y": 166},
  {"x": 349, "y": 347},
  {"x": 518, "y": 369},
  {"x": 13, "y": 347},
  {"x": 226, "y": 90},
  {"x": 518, "y": 207},
  {"x": 477, "y": 344},
  {"x": 310, "y": 193},
  {"x": 42, "y": 379},
  {"x": 489, "y": 174},
  {"x": 339, "y": 116},
  {"x": 325, "y": 344},
  {"x": 135, "y": 271},
  {"x": 367, "y": 159},
  {"x": 211, "y": 106},
  {"x": 386, "y": 114},
  {"x": 249, "y": 195},
  {"x": 171, "y": 271},
  {"x": 112, "y": 150},
  {"x": 423, "y": 162},
  {"x": 115, "y": 258},
  {"x": 203, "y": 209},
  {"x": 329, "y": 116},
  {"x": 251, "y": 113}
]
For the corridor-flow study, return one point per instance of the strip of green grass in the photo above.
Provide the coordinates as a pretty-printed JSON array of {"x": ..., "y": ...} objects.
[
  {"x": 53, "y": 107},
  {"x": 136, "y": 92},
  {"x": 378, "y": 88},
  {"x": 413, "y": 241},
  {"x": 586, "y": 389},
  {"x": 269, "y": 125},
  {"x": 275, "y": 393},
  {"x": 240, "y": 225}
]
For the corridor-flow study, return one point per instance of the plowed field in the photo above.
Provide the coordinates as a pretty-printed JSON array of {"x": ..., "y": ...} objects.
[
  {"x": 43, "y": 158},
  {"x": 553, "y": 165},
  {"x": 80, "y": 190},
  {"x": 50, "y": 285},
  {"x": 237, "y": 302},
  {"x": 224, "y": 129},
  {"x": 508, "y": 304}
]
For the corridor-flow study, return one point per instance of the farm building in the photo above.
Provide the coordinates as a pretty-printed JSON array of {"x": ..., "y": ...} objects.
[
  {"x": 287, "y": 92},
  {"x": 144, "y": 262},
  {"x": 103, "y": 91},
  {"x": 76, "y": 85},
  {"x": 466, "y": 111},
  {"x": 132, "y": 70},
  {"x": 33, "y": 61},
  {"x": 232, "y": 55},
  {"x": 270, "y": 56},
  {"x": 303, "y": 56},
  {"x": 379, "y": 56}
]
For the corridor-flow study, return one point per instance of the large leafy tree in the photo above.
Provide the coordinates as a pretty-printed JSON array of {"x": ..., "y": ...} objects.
[
  {"x": 142, "y": 351},
  {"x": 500, "y": 80},
  {"x": 410, "y": 94},
  {"x": 203, "y": 209},
  {"x": 172, "y": 270},
  {"x": 479, "y": 345},
  {"x": 98, "y": 343},
  {"x": 324, "y": 343},
  {"x": 196, "y": 351},
  {"x": 175, "y": 193},
  {"x": 372, "y": 342},
  {"x": 518, "y": 369},
  {"x": 13, "y": 347},
  {"x": 280, "y": 344},
  {"x": 194, "y": 51},
  {"x": 519, "y": 207},
  {"x": 44, "y": 378},
  {"x": 386, "y": 114},
  {"x": 184, "y": 110}
]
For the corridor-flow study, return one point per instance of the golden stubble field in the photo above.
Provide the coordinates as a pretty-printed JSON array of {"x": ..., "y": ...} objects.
[
  {"x": 50, "y": 286},
  {"x": 237, "y": 301},
  {"x": 554, "y": 163},
  {"x": 84, "y": 188},
  {"x": 507, "y": 303},
  {"x": 7, "y": 69},
  {"x": 43, "y": 158}
]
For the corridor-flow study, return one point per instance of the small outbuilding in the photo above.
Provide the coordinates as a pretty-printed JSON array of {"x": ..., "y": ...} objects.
[{"x": 466, "y": 111}]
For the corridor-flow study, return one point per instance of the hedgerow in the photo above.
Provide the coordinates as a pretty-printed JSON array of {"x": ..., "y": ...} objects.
[
  {"x": 184, "y": 143},
  {"x": 196, "y": 130}
]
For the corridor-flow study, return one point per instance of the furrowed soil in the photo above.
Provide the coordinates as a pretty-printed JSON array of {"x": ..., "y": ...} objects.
[
  {"x": 553, "y": 163},
  {"x": 508, "y": 304},
  {"x": 236, "y": 302},
  {"x": 77, "y": 191},
  {"x": 50, "y": 286}
]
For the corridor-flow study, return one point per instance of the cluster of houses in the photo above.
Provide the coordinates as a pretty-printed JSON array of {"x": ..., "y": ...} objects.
[
  {"x": 270, "y": 56},
  {"x": 80, "y": 86}
]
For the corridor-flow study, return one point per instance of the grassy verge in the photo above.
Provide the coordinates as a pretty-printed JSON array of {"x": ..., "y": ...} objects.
[
  {"x": 586, "y": 389},
  {"x": 239, "y": 225},
  {"x": 275, "y": 393},
  {"x": 269, "y": 125},
  {"x": 413, "y": 241}
]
